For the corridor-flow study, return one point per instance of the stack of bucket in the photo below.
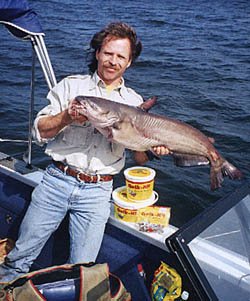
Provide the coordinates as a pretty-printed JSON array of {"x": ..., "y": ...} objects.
[{"x": 138, "y": 193}]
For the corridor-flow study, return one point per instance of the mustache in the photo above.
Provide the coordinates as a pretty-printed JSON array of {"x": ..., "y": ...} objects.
[{"x": 111, "y": 66}]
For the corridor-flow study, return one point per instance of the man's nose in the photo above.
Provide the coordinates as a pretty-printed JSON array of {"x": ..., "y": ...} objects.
[{"x": 113, "y": 60}]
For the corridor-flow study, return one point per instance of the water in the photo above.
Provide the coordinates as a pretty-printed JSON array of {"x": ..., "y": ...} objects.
[{"x": 195, "y": 59}]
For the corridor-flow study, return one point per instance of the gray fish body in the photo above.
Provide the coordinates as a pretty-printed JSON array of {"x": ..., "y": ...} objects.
[{"x": 138, "y": 130}]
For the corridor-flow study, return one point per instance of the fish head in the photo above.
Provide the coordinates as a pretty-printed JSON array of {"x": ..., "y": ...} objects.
[{"x": 98, "y": 112}]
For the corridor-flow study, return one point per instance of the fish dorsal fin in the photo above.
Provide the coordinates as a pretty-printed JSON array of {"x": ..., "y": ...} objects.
[
  {"x": 211, "y": 139},
  {"x": 148, "y": 104},
  {"x": 186, "y": 160}
]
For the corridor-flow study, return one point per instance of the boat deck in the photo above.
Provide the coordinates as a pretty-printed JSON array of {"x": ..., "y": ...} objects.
[{"x": 220, "y": 249}]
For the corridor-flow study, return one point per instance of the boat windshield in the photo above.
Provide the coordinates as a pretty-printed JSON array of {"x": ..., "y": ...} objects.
[
  {"x": 223, "y": 253},
  {"x": 215, "y": 249}
]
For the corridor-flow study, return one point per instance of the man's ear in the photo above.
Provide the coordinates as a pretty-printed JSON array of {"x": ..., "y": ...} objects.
[
  {"x": 97, "y": 54},
  {"x": 129, "y": 63}
]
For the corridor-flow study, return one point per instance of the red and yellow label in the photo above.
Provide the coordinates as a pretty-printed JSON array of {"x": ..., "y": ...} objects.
[{"x": 139, "y": 191}]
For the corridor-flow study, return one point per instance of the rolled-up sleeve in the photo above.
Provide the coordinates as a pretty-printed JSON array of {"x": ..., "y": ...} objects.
[
  {"x": 36, "y": 134},
  {"x": 58, "y": 101}
]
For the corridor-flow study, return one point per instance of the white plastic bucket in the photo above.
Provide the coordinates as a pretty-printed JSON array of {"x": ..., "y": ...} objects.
[
  {"x": 139, "y": 183},
  {"x": 127, "y": 210}
]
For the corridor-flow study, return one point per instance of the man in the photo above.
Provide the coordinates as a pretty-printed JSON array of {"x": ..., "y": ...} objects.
[{"x": 79, "y": 181}]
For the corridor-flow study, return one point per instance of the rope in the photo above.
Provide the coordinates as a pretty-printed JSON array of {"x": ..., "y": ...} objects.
[{"x": 14, "y": 140}]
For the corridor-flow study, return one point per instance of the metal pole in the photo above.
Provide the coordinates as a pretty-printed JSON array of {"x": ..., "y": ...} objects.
[
  {"x": 42, "y": 62},
  {"x": 41, "y": 43},
  {"x": 31, "y": 109},
  {"x": 39, "y": 50}
]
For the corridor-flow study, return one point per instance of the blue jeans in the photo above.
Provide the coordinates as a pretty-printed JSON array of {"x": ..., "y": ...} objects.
[{"x": 88, "y": 205}]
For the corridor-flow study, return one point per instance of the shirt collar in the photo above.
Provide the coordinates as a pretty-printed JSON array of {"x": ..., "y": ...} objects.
[
  {"x": 97, "y": 81},
  {"x": 94, "y": 81}
]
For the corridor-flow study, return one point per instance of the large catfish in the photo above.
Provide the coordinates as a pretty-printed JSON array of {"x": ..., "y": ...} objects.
[{"x": 138, "y": 130}]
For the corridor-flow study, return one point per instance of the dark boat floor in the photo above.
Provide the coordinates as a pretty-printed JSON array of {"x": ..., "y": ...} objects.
[
  {"x": 123, "y": 253},
  {"x": 120, "y": 249}
]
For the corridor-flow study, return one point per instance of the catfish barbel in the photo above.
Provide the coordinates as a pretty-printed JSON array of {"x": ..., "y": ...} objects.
[{"x": 138, "y": 130}]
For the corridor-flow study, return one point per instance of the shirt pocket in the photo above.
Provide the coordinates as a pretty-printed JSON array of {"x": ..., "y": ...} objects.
[{"x": 78, "y": 135}]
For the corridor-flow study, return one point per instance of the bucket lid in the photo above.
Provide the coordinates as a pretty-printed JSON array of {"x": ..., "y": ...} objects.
[
  {"x": 139, "y": 174},
  {"x": 119, "y": 196}
]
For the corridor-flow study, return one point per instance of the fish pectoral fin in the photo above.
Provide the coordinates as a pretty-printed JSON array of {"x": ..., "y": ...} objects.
[{"x": 186, "y": 160}]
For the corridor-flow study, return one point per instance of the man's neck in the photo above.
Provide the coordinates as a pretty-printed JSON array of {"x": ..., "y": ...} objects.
[{"x": 112, "y": 84}]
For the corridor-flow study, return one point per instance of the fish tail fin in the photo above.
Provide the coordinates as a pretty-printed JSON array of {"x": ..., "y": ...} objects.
[
  {"x": 216, "y": 177},
  {"x": 221, "y": 169},
  {"x": 231, "y": 171}
]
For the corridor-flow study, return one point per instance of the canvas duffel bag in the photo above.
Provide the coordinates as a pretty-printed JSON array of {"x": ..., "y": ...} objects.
[{"x": 80, "y": 282}]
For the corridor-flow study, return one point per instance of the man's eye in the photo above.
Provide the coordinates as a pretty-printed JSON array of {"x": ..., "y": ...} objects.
[{"x": 121, "y": 57}]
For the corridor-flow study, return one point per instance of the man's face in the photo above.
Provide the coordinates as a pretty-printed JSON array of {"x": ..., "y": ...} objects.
[{"x": 113, "y": 59}]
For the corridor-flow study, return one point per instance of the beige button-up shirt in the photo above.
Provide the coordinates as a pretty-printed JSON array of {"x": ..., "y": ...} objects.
[{"x": 81, "y": 146}]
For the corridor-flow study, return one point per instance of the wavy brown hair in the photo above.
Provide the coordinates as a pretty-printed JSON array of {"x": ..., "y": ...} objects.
[{"x": 113, "y": 30}]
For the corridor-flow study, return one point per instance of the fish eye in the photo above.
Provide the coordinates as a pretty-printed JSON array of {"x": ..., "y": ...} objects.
[{"x": 93, "y": 106}]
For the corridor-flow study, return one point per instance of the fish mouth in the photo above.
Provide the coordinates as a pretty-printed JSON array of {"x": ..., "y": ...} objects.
[{"x": 105, "y": 123}]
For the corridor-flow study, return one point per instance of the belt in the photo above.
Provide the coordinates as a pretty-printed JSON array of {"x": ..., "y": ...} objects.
[{"x": 80, "y": 176}]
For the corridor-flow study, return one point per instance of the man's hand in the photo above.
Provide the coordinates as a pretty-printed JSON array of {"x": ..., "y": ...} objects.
[
  {"x": 161, "y": 150},
  {"x": 142, "y": 157},
  {"x": 50, "y": 126},
  {"x": 74, "y": 112}
]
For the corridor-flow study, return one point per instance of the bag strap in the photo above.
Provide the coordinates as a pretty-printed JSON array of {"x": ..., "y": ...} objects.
[
  {"x": 95, "y": 283},
  {"x": 118, "y": 290},
  {"x": 21, "y": 293},
  {"x": 27, "y": 292}
]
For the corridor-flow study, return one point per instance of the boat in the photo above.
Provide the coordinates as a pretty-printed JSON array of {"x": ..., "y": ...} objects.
[{"x": 211, "y": 253}]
